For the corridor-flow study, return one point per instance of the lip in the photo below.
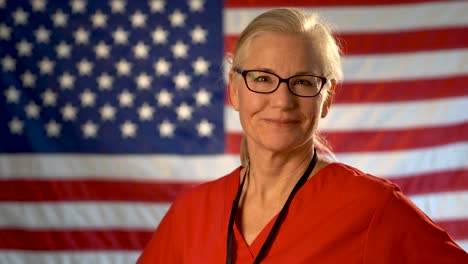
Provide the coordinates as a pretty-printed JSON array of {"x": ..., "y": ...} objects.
[{"x": 282, "y": 122}]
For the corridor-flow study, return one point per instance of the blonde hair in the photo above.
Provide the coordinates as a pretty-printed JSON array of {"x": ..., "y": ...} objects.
[{"x": 295, "y": 21}]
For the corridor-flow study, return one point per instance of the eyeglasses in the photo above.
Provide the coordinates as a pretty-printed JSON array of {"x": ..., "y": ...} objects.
[{"x": 267, "y": 82}]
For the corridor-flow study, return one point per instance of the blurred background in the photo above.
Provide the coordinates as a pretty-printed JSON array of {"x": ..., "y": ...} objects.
[{"x": 109, "y": 109}]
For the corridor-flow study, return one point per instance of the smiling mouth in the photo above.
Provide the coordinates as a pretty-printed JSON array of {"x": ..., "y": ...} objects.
[{"x": 282, "y": 122}]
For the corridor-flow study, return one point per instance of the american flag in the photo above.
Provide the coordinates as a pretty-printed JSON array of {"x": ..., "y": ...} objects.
[{"x": 109, "y": 109}]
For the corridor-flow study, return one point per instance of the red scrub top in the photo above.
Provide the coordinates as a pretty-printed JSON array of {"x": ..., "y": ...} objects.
[{"x": 340, "y": 215}]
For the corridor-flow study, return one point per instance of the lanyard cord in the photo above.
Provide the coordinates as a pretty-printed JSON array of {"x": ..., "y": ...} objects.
[{"x": 278, "y": 220}]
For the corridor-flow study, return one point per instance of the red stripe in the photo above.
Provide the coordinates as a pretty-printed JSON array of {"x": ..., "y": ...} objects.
[
  {"x": 457, "y": 229},
  {"x": 393, "y": 42},
  {"x": 445, "y": 181},
  {"x": 303, "y": 3}
]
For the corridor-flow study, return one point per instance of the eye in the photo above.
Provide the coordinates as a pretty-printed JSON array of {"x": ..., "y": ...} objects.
[
  {"x": 260, "y": 77},
  {"x": 263, "y": 78},
  {"x": 303, "y": 82}
]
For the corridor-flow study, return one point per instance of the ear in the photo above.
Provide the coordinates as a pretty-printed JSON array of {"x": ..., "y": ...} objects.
[
  {"x": 233, "y": 91},
  {"x": 328, "y": 101}
]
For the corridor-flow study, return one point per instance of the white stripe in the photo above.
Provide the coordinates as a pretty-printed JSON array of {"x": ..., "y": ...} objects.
[
  {"x": 67, "y": 257},
  {"x": 370, "y": 116},
  {"x": 463, "y": 244},
  {"x": 443, "y": 206},
  {"x": 368, "y": 19}
]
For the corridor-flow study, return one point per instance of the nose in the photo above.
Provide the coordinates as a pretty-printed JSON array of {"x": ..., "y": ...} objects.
[{"x": 282, "y": 97}]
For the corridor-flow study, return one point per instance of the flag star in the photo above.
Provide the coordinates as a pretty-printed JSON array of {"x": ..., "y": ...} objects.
[
  {"x": 20, "y": 17},
  {"x": 162, "y": 67},
  {"x": 205, "y": 128},
  {"x": 87, "y": 98},
  {"x": 140, "y": 50},
  {"x": 138, "y": 19},
  {"x": 42, "y": 35},
  {"x": 125, "y": 99},
  {"x": 69, "y": 112},
  {"x": 117, "y": 6},
  {"x": 32, "y": 110},
  {"x": 182, "y": 80},
  {"x": 198, "y": 34},
  {"x": 196, "y": 5},
  {"x": 102, "y": 50},
  {"x": 66, "y": 81},
  {"x": 105, "y": 81},
  {"x": 46, "y": 66},
  {"x": 99, "y": 19},
  {"x": 179, "y": 49},
  {"x": 49, "y": 98},
  {"x": 128, "y": 129},
  {"x": 157, "y": 6},
  {"x": 8, "y": 63},
  {"x": 143, "y": 81},
  {"x": 164, "y": 98},
  {"x": 89, "y": 129},
  {"x": 202, "y": 97},
  {"x": 184, "y": 112},
  {"x": 145, "y": 112},
  {"x": 81, "y": 36},
  {"x": 63, "y": 50},
  {"x": 59, "y": 18},
  {"x": 38, "y": 5},
  {"x": 123, "y": 67},
  {"x": 159, "y": 36},
  {"x": 53, "y": 128},
  {"x": 177, "y": 18},
  {"x": 28, "y": 79},
  {"x": 120, "y": 36},
  {"x": 24, "y": 48},
  {"x": 16, "y": 126},
  {"x": 5, "y": 32},
  {"x": 107, "y": 112},
  {"x": 2, "y": 3},
  {"x": 85, "y": 67},
  {"x": 200, "y": 66},
  {"x": 166, "y": 129},
  {"x": 12, "y": 95},
  {"x": 78, "y": 6}
]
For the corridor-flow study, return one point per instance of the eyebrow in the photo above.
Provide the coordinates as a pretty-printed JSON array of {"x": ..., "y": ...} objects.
[{"x": 297, "y": 73}]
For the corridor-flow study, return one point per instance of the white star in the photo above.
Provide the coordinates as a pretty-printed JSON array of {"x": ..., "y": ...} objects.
[
  {"x": 49, "y": 98},
  {"x": 20, "y": 17},
  {"x": 32, "y": 110},
  {"x": 128, "y": 129},
  {"x": 99, "y": 19},
  {"x": 143, "y": 81},
  {"x": 159, "y": 35},
  {"x": 182, "y": 80},
  {"x": 123, "y": 67},
  {"x": 12, "y": 95},
  {"x": 107, "y": 112},
  {"x": 184, "y": 112},
  {"x": 161, "y": 67},
  {"x": 28, "y": 79},
  {"x": 2, "y": 3},
  {"x": 138, "y": 19},
  {"x": 60, "y": 18},
  {"x": 117, "y": 6},
  {"x": 24, "y": 48},
  {"x": 8, "y": 63},
  {"x": 38, "y": 5},
  {"x": 89, "y": 129},
  {"x": 69, "y": 112},
  {"x": 177, "y": 18},
  {"x": 16, "y": 126},
  {"x": 81, "y": 36},
  {"x": 102, "y": 50},
  {"x": 85, "y": 67},
  {"x": 157, "y": 6},
  {"x": 125, "y": 99},
  {"x": 196, "y": 5},
  {"x": 179, "y": 49},
  {"x": 78, "y": 6},
  {"x": 120, "y": 36},
  {"x": 164, "y": 98},
  {"x": 166, "y": 129},
  {"x": 202, "y": 97},
  {"x": 87, "y": 98},
  {"x": 198, "y": 35},
  {"x": 53, "y": 128},
  {"x": 63, "y": 50},
  {"x": 42, "y": 35},
  {"x": 46, "y": 66},
  {"x": 67, "y": 81},
  {"x": 105, "y": 81},
  {"x": 141, "y": 50},
  {"x": 5, "y": 32},
  {"x": 145, "y": 112},
  {"x": 205, "y": 128},
  {"x": 200, "y": 66}
]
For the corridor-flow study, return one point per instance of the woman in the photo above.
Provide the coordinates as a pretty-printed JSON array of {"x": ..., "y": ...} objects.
[{"x": 287, "y": 203}]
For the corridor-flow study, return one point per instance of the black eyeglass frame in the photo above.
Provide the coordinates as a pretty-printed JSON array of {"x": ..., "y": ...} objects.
[{"x": 244, "y": 73}]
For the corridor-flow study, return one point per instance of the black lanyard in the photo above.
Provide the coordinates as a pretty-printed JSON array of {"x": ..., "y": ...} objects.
[{"x": 278, "y": 220}]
